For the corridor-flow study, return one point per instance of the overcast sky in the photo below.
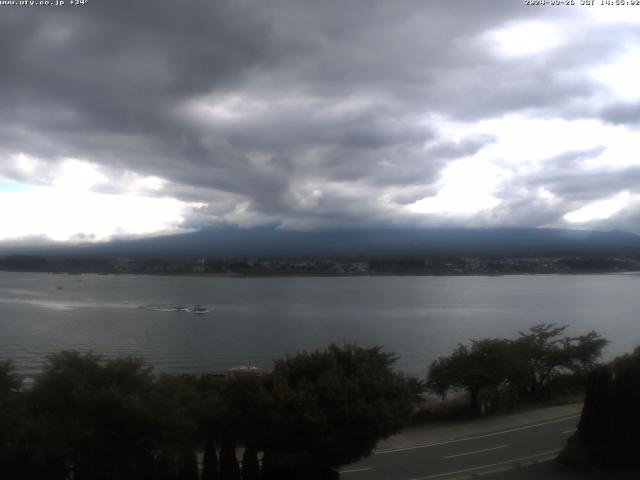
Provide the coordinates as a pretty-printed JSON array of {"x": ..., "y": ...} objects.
[{"x": 132, "y": 117}]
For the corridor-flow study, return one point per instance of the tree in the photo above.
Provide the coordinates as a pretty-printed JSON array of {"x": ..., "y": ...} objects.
[
  {"x": 331, "y": 407},
  {"x": 607, "y": 434},
  {"x": 210, "y": 459},
  {"x": 210, "y": 413},
  {"x": 543, "y": 354},
  {"x": 229, "y": 468},
  {"x": 174, "y": 401},
  {"x": 584, "y": 352},
  {"x": 626, "y": 414},
  {"x": 93, "y": 414},
  {"x": 245, "y": 401},
  {"x": 522, "y": 367},
  {"x": 542, "y": 350},
  {"x": 483, "y": 365},
  {"x": 189, "y": 466},
  {"x": 242, "y": 416},
  {"x": 595, "y": 426},
  {"x": 250, "y": 464},
  {"x": 11, "y": 420}
]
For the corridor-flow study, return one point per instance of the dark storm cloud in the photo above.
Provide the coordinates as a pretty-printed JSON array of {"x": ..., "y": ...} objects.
[{"x": 301, "y": 112}]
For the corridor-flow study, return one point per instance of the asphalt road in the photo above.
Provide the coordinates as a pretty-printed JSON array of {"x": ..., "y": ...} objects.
[{"x": 466, "y": 457}]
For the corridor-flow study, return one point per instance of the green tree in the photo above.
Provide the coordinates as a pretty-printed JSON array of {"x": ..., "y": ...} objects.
[
  {"x": 331, "y": 407},
  {"x": 189, "y": 466},
  {"x": 250, "y": 464},
  {"x": 626, "y": 414},
  {"x": 584, "y": 352},
  {"x": 607, "y": 433},
  {"x": 210, "y": 459},
  {"x": 524, "y": 367},
  {"x": 595, "y": 426},
  {"x": 175, "y": 402},
  {"x": 543, "y": 353},
  {"x": 484, "y": 364},
  {"x": 229, "y": 468},
  {"x": 245, "y": 402},
  {"x": 92, "y": 414},
  {"x": 11, "y": 420}
]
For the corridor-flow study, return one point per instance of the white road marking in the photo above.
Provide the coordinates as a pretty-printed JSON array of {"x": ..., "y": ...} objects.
[
  {"x": 571, "y": 430},
  {"x": 476, "y": 451},
  {"x": 486, "y": 435},
  {"x": 513, "y": 460},
  {"x": 354, "y": 470}
]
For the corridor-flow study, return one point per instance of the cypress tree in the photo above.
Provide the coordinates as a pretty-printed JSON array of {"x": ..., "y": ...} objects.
[
  {"x": 287, "y": 466},
  {"x": 594, "y": 429},
  {"x": 267, "y": 471},
  {"x": 608, "y": 429},
  {"x": 626, "y": 417},
  {"x": 229, "y": 468},
  {"x": 188, "y": 465},
  {"x": 250, "y": 464},
  {"x": 210, "y": 459}
]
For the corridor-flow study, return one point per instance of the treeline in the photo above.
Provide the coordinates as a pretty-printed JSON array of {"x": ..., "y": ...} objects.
[
  {"x": 322, "y": 266},
  {"x": 503, "y": 373},
  {"x": 90, "y": 418},
  {"x": 608, "y": 432}
]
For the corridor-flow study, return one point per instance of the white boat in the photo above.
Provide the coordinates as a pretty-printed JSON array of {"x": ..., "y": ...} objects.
[{"x": 197, "y": 309}]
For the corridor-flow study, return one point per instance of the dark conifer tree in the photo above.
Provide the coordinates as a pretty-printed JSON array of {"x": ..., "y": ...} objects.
[
  {"x": 188, "y": 465},
  {"x": 250, "y": 464},
  {"x": 626, "y": 417},
  {"x": 229, "y": 468},
  {"x": 266, "y": 470},
  {"x": 594, "y": 429},
  {"x": 210, "y": 459}
]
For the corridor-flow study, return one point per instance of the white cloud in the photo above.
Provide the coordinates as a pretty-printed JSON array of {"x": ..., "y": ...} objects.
[
  {"x": 25, "y": 163},
  {"x": 76, "y": 175},
  {"x": 524, "y": 144},
  {"x": 62, "y": 215},
  {"x": 523, "y": 39},
  {"x": 467, "y": 187},
  {"x": 144, "y": 183},
  {"x": 68, "y": 208},
  {"x": 622, "y": 75},
  {"x": 600, "y": 210}
]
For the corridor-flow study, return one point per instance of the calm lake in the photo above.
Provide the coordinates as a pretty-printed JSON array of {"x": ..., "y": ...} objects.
[{"x": 252, "y": 321}]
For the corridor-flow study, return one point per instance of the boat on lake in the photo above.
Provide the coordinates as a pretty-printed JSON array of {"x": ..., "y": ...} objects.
[{"x": 197, "y": 309}]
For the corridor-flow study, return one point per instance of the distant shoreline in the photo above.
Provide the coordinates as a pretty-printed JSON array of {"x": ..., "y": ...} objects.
[
  {"x": 325, "y": 275},
  {"x": 325, "y": 267}
]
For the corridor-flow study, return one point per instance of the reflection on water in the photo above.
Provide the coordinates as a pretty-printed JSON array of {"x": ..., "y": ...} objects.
[
  {"x": 251, "y": 321},
  {"x": 60, "y": 304}
]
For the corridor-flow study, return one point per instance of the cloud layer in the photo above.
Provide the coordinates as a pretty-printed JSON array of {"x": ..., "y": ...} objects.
[{"x": 312, "y": 115}]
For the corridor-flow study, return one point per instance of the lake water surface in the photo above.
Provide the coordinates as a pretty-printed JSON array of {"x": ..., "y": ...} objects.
[{"x": 255, "y": 320}]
